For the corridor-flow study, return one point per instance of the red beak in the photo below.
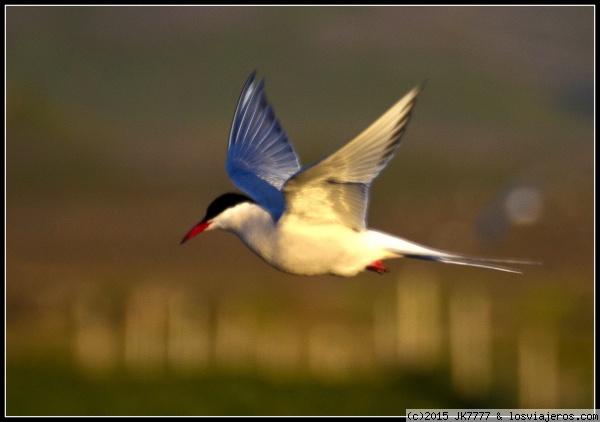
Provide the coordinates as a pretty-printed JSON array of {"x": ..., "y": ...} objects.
[{"x": 197, "y": 229}]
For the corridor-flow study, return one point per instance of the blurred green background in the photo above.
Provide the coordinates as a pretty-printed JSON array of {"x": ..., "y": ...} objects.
[{"x": 116, "y": 128}]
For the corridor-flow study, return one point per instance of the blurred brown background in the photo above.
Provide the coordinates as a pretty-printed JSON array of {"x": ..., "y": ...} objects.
[{"x": 116, "y": 129}]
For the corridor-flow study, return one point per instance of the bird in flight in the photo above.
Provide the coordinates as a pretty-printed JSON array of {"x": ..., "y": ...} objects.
[{"x": 311, "y": 220}]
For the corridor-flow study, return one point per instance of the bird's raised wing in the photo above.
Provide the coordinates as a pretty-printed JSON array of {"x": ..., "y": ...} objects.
[
  {"x": 260, "y": 158},
  {"x": 336, "y": 188}
]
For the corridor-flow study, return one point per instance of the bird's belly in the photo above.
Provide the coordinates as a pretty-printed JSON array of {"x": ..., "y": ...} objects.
[{"x": 309, "y": 250}]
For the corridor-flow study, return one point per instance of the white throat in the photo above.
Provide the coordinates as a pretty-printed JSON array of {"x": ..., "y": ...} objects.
[{"x": 253, "y": 225}]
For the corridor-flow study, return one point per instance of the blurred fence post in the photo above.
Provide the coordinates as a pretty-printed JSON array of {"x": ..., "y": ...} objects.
[
  {"x": 470, "y": 341},
  {"x": 419, "y": 327},
  {"x": 279, "y": 347},
  {"x": 385, "y": 343},
  {"x": 96, "y": 338},
  {"x": 146, "y": 328},
  {"x": 189, "y": 335},
  {"x": 538, "y": 368},
  {"x": 235, "y": 337}
]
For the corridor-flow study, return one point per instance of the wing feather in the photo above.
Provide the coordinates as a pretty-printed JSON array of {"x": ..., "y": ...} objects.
[
  {"x": 336, "y": 188},
  {"x": 260, "y": 158}
]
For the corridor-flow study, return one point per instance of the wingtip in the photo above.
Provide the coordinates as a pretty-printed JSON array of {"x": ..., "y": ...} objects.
[
  {"x": 420, "y": 87},
  {"x": 249, "y": 81}
]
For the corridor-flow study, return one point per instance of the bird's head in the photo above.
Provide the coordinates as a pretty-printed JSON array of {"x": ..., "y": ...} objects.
[{"x": 218, "y": 213}]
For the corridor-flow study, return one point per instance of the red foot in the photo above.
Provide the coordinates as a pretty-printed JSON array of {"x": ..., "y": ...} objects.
[{"x": 378, "y": 267}]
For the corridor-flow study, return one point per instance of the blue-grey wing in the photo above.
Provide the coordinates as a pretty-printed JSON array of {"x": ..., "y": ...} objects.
[{"x": 260, "y": 158}]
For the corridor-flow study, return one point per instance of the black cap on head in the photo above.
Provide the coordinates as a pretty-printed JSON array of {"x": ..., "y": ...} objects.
[{"x": 227, "y": 200}]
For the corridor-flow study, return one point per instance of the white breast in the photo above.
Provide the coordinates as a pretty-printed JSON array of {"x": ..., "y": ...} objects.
[{"x": 300, "y": 247}]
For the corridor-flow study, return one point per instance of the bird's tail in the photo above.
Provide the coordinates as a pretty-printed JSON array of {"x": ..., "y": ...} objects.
[
  {"x": 406, "y": 249},
  {"x": 490, "y": 263}
]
